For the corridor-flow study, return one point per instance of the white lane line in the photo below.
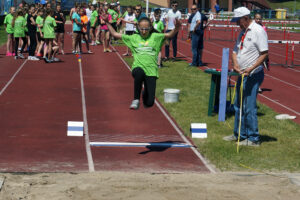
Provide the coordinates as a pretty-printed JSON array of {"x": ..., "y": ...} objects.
[
  {"x": 86, "y": 127},
  {"x": 290, "y": 84},
  {"x": 268, "y": 98},
  {"x": 198, "y": 154},
  {"x": 13, "y": 77}
]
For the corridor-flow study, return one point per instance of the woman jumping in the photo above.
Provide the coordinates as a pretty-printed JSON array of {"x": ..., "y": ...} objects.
[{"x": 145, "y": 47}]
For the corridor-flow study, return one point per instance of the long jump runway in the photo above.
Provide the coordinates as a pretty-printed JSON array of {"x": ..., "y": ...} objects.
[{"x": 37, "y": 100}]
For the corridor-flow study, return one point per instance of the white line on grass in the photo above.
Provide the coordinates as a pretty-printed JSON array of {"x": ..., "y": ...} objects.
[
  {"x": 268, "y": 98},
  {"x": 198, "y": 154},
  {"x": 13, "y": 77},
  {"x": 86, "y": 128}
]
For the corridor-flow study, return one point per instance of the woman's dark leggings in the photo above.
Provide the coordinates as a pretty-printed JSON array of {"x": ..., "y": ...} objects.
[
  {"x": 149, "y": 86},
  {"x": 33, "y": 43},
  {"x": 17, "y": 44}
]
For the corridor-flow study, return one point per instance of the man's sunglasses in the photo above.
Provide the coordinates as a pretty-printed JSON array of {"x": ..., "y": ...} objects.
[
  {"x": 174, "y": 5},
  {"x": 193, "y": 8},
  {"x": 138, "y": 10}
]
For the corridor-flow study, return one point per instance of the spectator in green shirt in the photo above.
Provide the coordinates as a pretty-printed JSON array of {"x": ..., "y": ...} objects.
[
  {"x": 49, "y": 36},
  {"x": 159, "y": 27},
  {"x": 39, "y": 22},
  {"x": 19, "y": 24},
  {"x": 145, "y": 47},
  {"x": 10, "y": 31},
  {"x": 94, "y": 23}
]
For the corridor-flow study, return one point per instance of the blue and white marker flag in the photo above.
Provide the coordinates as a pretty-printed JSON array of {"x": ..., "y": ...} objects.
[
  {"x": 75, "y": 128},
  {"x": 199, "y": 130}
]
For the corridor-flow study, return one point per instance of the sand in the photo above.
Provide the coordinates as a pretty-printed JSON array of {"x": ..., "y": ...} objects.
[{"x": 124, "y": 185}]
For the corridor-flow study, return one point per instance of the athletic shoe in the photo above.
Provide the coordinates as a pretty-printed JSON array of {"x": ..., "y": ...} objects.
[
  {"x": 47, "y": 60},
  {"x": 8, "y": 54},
  {"x": 74, "y": 52},
  {"x": 90, "y": 52},
  {"x": 108, "y": 50},
  {"x": 126, "y": 54},
  {"x": 192, "y": 65},
  {"x": 55, "y": 59},
  {"x": 33, "y": 58},
  {"x": 13, "y": 54},
  {"x": 247, "y": 142},
  {"x": 104, "y": 50},
  {"x": 39, "y": 55},
  {"x": 135, "y": 104},
  {"x": 16, "y": 57},
  {"x": 21, "y": 56},
  {"x": 230, "y": 138},
  {"x": 98, "y": 42},
  {"x": 62, "y": 52},
  {"x": 82, "y": 41}
]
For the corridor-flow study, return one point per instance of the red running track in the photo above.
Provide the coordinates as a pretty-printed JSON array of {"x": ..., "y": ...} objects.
[{"x": 41, "y": 98}]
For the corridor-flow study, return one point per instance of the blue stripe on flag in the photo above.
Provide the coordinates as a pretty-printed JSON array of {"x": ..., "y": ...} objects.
[
  {"x": 199, "y": 130},
  {"x": 74, "y": 128}
]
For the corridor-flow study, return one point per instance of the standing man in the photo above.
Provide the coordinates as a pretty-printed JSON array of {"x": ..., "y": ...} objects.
[
  {"x": 172, "y": 15},
  {"x": 250, "y": 51},
  {"x": 139, "y": 14},
  {"x": 196, "y": 34}
]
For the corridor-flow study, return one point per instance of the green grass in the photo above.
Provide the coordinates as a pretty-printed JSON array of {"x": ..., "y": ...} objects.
[
  {"x": 279, "y": 152},
  {"x": 285, "y": 4},
  {"x": 3, "y": 35}
]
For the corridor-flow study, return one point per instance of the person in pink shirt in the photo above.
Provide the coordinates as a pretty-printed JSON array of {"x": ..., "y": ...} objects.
[{"x": 105, "y": 35}]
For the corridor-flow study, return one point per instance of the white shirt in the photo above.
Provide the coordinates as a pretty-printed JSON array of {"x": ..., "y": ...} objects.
[
  {"x": 130, "y": 18},
  {"x": 88, "y": 13},
  {"x": 171, "y": 16},
  {"x": 255, "y": 42},
  {"x": 196, "y": 18}
]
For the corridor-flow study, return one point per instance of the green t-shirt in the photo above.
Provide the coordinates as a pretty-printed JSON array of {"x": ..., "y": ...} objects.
[
  {"x": 114, "y": 15},
  {"x": 39, "y": 21},
  {"x": 19, "y": 28},
  {"x": 26, "y": 16},
  {"x": 93, "y": 18},
  {"x": 8, "y": 21},
  {"x": 159, "y": 26},
  {"x": 125, "y": 13},
  {"x": 145, "y": 51},
  {"x": 48, "y": 27}
]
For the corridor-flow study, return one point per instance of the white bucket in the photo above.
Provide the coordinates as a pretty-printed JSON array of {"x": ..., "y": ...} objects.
[{"x": 171, "y": 95}]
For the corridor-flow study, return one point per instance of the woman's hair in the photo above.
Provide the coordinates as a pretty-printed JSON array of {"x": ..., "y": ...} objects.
[
  {"x": 19, "y": 12},
  {"x": 48, "y": 12},
  {"x": 152, "y": 30}
]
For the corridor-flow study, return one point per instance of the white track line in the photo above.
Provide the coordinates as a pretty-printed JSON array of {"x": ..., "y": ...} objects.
[
  {"x": 268, "y": 98},
  {"x": 211, "y": 169},
  {"x": 13, "y": 77},
  {"x": 290, "y": 84},
  {"x": 86, "y": 128}
]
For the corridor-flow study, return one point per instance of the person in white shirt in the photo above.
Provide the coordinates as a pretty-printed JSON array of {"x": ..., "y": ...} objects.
[
  {"x": 172, "y": 15},
  {"x": 88, "y": 14},
  {"x": 129, "y": 24},
  {"x": 250, "y": 51}
]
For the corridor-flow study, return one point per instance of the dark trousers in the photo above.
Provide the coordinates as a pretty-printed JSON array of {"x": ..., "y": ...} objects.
[
  {"x": 174, "y": 44},
  {"x": 149, "y": 86},
  {"x": 33, "y": 43},
  {"x": 197, "y": 47},
  {"x": 17, "y": 44}
]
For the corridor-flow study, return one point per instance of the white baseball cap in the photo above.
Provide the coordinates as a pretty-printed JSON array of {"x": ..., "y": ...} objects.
[{"x": 240, "y": 12}]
